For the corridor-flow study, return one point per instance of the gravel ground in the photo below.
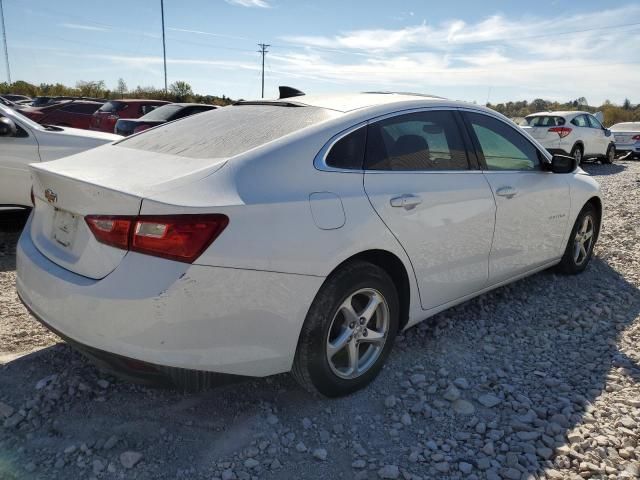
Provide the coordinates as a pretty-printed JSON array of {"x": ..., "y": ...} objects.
[{"x": 539, "y": 379}]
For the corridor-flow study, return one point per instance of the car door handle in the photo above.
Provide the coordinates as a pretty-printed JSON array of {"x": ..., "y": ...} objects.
[
  {"x": 407, "y": 201},
  {"x": 508, "y": 192}
]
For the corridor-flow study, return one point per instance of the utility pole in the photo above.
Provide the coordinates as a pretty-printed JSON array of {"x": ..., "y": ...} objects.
[
  {"x": 164, "y": 46},
  {"x": 4, "y": 39},
  {"x": 263, "y": 50}
]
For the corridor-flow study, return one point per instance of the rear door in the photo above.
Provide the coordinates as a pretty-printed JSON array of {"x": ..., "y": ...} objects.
[
  {"x": 419, "y": 180},
  {"x": 583, "y": 131},
  {"x": 532, "y": 203}
]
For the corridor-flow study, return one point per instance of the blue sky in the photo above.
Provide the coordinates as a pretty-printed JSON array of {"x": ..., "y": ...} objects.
[{"x": 469, "y": 50}]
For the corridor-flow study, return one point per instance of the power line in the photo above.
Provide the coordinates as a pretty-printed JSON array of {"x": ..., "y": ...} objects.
[
  {"x": 263, "y": 50},
  {"x": 4, "y": 39},
  {"x": 164, "y": 46}
]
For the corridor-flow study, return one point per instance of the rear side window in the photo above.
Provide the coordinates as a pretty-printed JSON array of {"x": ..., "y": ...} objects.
[
  {"x": 580, "y": 121},
  {"x": 348, "y": 152},
  {"x": 502, "y": 146},
  {"x": 416, "y": 142},
  {"x": 545, "y": 121},
  {"x": 112, "y": 107},
  {"x": 227, "y": 131}
]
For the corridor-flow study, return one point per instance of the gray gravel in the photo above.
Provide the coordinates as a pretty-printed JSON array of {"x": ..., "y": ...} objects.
[{"x": 538, "y": 379}]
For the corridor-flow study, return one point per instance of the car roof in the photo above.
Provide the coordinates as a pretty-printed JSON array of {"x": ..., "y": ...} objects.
[
  {"x": 347, "y": 102},
  {"x": 139, "y": 100},
  {"x": 563, "y": 113}
]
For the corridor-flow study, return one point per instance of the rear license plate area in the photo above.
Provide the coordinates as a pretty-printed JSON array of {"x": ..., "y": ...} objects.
[{"x": 65, "y": 225}]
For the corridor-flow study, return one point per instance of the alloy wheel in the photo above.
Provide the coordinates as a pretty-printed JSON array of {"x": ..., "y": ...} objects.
[
  {"x": 583, "y": 241},
  {"x": 578, "y": 155},
  {"x": 358, "y": 333}
]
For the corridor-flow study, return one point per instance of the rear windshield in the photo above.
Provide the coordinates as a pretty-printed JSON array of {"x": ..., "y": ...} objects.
[
  {"x": 162, "y": 113},
  {"x": 544, "y": 121},
  {"x": 111, "y": 107},
  {"x": 227, "y": 131}
]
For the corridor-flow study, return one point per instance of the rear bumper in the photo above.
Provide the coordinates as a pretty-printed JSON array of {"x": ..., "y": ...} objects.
[
  {"x": 628, "y": 147},
  {"x": 225, "y": 320}
]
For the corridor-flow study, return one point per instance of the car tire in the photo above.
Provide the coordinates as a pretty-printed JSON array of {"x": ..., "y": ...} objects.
[
  {"x": 339, "y": 316},
  {"x": 575, "y": 258},
  {"x": 578, "y": 153},
  {"x": 610, "y": 156}
]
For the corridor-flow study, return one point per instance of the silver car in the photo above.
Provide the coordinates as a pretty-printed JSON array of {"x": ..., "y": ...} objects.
[{"x": 627, "y": 137}]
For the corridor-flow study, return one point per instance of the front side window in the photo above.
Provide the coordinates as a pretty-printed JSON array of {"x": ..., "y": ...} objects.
[
  {"x": 594, "y": 123},
  {"x": 348, "y": 152},
  {"x": 502, "y": 146},
  {"x": 580, "y": 121},
  {"x": 415, "y": 142}
]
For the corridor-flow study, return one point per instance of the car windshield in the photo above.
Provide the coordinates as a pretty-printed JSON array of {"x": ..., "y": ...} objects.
[
  {"x": 544, "y": 121},
  {"x": 228, "y": 131},
  {"x": 15, "y": 115},
  {"x": 162, "y": 113},
  {"x": 626, "y": 127}
]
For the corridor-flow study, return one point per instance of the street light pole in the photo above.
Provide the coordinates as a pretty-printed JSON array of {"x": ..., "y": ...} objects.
[
  {"x": 164, "y": 46},
  {"x": 4, "y": 39}
]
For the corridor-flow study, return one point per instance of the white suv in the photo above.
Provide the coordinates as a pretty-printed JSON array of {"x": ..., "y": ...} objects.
[{"x": 578, "y": 134}]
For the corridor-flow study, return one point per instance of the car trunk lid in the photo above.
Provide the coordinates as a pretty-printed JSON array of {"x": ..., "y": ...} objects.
[{"x": 109, "y": 180}]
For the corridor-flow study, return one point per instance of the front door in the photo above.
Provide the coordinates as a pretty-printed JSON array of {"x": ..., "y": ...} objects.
[
  {"x": 418, "y": 179},
  {"x": 532, "y": 203}
]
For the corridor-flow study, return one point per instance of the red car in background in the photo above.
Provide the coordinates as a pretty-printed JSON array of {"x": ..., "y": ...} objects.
[
  {"x": 73, "y": 113},
  {"x": 106, "y": 117}
]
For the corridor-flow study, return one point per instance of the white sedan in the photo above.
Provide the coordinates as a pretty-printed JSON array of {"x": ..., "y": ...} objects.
[
  {"x": 22, "y": 141},
  {"x": 299, "y": 234},
  {"x": 627, "y": 135}
]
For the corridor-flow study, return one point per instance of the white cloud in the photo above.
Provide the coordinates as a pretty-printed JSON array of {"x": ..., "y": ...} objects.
[
  {"x": 77, "y": 26},
  {"x": 560, "y": 57},
  {"x": 250, "y": 3}
]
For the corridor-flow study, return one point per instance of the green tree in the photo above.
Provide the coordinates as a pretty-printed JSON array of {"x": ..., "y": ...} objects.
[
  {"x": 122, "y": 87},
  {"x": 91, "y": 88},
  {"x": 181, "y": 90},
  {"x": 627, "y": 104}
]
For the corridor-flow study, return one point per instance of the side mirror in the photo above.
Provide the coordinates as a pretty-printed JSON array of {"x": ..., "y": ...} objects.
[
  {"x": 7, "y": 127},
  {"x": 607, "y": 132},
  {"x": 563, "y": 164}
]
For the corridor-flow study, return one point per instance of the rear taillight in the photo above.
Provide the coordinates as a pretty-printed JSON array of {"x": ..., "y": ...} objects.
[
  {"x": 113, "y": 231},
  {"x": 177, "y": 237},
  {"x": 141, "y": 128},
  {"x": 635, "y": 137},
  {"x": 561, "y": 131}
]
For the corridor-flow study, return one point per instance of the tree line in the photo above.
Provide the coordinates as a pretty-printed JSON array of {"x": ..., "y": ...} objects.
[
  {"x": 627, "y": 112},
  {"x": 178, "y": 91},
  {"x": 181, "y": 91}
]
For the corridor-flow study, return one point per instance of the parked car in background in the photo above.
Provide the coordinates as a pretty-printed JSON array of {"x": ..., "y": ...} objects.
[
  {"x": 627, "y": 137},
  {"x": 300, "y": 234},
  {"x": 106, "y": 117},
  {"x": 22, "y": 141},
  {"x": 17, "y": 98},
  {"x": 163, "y": 114},
  {"x": 69, "y": 113},
  {"x": 44, "y": 100},
  {"x": 578, "y": 134}
]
